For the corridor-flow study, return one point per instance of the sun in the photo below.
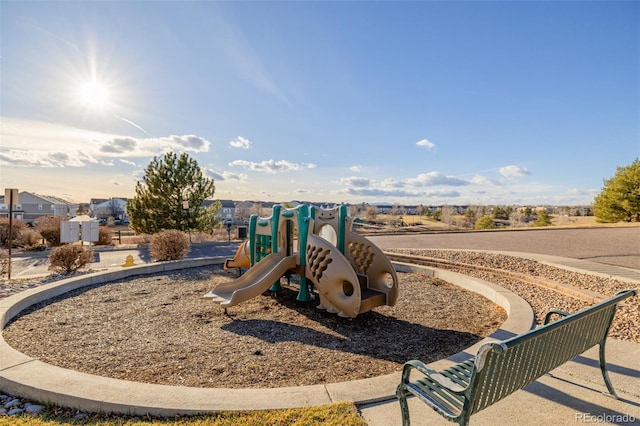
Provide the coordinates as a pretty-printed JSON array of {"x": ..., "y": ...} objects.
[{"x": 94, "y": 95}]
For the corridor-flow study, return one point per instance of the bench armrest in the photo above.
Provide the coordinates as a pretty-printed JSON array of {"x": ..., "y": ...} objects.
[
  {"x": 442, "y": 380},
  {"x": 547, "y": 318}
]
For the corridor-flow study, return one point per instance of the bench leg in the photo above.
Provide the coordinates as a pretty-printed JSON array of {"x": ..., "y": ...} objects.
[
  {"x": 401, "y": 393},
  {"x": 605, "y": 372}
]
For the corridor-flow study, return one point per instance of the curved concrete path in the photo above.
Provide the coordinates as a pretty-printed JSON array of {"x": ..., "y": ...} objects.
[
  {"x": 24, "y": 376},
  {"x": 572, "y": 391}
]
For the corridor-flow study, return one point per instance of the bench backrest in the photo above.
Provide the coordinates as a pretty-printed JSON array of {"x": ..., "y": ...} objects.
[{"x": 504, "y": 367}]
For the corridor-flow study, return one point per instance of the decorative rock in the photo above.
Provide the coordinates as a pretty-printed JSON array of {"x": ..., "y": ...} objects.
[
  {"x": 3, "y": 412},
  {"x": 15, "y": 412},
  {"x": 12, "y": 403},
  {"x": 33, "y": 409}
]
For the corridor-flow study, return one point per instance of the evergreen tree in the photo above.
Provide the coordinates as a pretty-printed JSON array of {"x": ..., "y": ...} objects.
[
  {"x": 543, "y": 218},
  {"x": 620, "y": 197},
  {"x": 170, "y": 196},
  {"x": 501, "y": 213},
  {"x": 485, "y": 222}
]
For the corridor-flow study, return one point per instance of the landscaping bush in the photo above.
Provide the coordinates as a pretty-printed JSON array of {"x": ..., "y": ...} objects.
[
  {"x": 68, "y": 258},
  {"x": 49, "y": 228},
  {"x": 543, "y": 219},
  {"x": 105, "y": 237},
  {"x": 17, "y": 225},
  {"x": 4, "y": 262},
  {"x": 485, "y": 222},
  {"x": 169, "y": 245},
  {"x": 29, "y": 240}
]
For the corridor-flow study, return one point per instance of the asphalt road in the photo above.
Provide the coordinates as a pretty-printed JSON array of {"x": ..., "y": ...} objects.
[{"x": 612, "y": 246}]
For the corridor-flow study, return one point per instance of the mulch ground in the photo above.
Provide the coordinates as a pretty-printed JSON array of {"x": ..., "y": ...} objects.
[{"x": 159, "y": 329}]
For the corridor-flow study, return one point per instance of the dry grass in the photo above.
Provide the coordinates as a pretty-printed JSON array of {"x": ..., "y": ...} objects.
[{"x": 340, "y": 414}]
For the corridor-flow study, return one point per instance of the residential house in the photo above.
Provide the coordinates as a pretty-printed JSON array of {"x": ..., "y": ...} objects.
[
  {"x": 32, "y": 206},
  {"x": 243, "y": 211},
  {"x": 112, "y": 207},
  {"x": 16, "y": 211},
  {"x": 227, "y": 211}
]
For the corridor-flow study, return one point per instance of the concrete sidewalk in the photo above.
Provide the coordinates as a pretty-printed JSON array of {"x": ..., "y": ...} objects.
[{"x": 569, "y": 395}]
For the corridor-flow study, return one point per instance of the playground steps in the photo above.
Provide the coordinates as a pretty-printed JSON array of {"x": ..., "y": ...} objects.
[{"x": 369, "y": 298}]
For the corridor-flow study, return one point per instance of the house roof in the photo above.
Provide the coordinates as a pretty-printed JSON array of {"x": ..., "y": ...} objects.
[{"x": 51, "y": 199}]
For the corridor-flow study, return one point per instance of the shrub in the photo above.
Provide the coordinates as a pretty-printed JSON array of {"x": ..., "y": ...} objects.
[
  {"x": 17, "y": 225},
  {"x": 485, "y": 222},
  {"x": 68, "y": 258},
  {"x": 169, "y": 245},
  {"x": 49, "y": 228},
  {"x": 29, "y": 240},
  {"x": 543, "y": 219},
  {"x": 105, "y": 237},
  {"x": 4, "y": 262}
]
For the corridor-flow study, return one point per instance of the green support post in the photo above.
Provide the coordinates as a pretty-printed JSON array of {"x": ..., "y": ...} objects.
[
  {"x": 303, "y": 230},
  {"x": 275, "y": 224},
  {"x": 253, "y": 219},
  {"x": 342, "y": 225}
]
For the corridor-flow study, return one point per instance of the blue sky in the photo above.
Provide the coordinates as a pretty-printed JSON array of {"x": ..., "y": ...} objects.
[{"x": 420, "y": 102}]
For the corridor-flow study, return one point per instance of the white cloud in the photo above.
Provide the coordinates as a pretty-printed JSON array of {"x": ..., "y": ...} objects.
[
  {"x": 425, "y": 143},
  {"x": 356, "y": 169},
  {"x": 375, "y": 192},
  {"x": 392, "y": 183},
  {"x": 142, "y": 147},
  {"x": 240, "y": 142},
  {"x": 271, "y": 166},
  {"x": 225, "y": 175},
  {"x": 120, "y": 145},
  {"x": 28, "y": 143},
  {"x": 512, "y": 171},
  {"x": 579, "y": 192},
  {"x": 127, "y": 162},
  {"x": 435, "y": 179},
  {"x": 39, "y": 158},
  {"x": 187, "y": 142},
  {"x": 443, "y": 194},
  {"x": 360, "y": 182},
  {"x": 365, "y": 187},
  {"x": 484, "y": 181}
]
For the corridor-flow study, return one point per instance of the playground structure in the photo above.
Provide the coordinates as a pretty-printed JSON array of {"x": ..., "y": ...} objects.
[{"x": 350, "y": 274}]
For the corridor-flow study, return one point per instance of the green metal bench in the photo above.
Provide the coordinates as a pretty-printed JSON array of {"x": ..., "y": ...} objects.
[{"x": 501, "y": 368}]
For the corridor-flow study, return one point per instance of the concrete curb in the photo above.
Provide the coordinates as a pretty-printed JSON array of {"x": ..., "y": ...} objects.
[{"x": 23, "y": 376}]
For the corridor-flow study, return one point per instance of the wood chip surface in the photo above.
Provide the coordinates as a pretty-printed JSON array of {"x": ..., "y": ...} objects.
[{"x": 159, "y": 329}]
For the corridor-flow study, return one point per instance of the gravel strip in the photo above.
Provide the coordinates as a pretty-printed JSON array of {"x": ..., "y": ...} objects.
[{"x": 626, "y": 325}]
